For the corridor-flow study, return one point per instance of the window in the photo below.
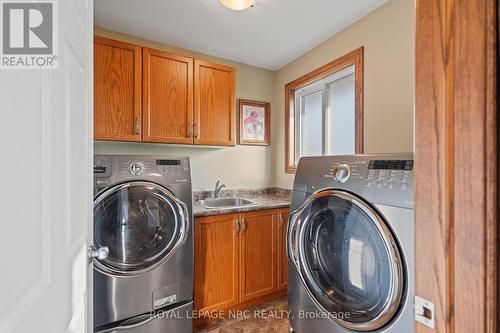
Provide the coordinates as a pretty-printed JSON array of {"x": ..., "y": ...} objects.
[{"x": 324, "y": 111}]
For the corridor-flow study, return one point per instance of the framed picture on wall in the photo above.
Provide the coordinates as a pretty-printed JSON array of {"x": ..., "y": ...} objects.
[{"x": 254, "y": 123}]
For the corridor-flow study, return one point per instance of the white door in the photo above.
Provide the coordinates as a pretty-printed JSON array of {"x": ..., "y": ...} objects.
[{"x": 46, "y": 184}]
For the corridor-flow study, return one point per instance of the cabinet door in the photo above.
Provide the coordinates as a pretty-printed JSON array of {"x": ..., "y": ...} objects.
[
  {"x": 117, "y": 90},
  {"x": 167, "y": 97},
  {"x": 216, "y": 262},
  {"x": 214, "y": 104},
  {"x": 257, "y": 254},
  {"x": 283, "y": 215}
]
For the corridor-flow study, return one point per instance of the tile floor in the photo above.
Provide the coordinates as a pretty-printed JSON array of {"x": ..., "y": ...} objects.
[{"x": 268, "y": 318}]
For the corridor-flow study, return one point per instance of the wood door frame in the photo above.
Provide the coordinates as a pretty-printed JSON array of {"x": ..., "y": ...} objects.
[{"x": 456, "y": 156}]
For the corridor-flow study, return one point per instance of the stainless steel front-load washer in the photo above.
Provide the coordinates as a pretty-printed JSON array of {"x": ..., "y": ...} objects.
[
  {"x": 143, "y": 265},
  {"x": 350, "y": 245}
]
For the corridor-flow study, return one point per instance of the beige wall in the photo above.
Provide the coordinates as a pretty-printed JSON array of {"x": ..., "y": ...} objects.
[
  {"x": 387, "y": 35},
  {"x": 237, "y": 167}
]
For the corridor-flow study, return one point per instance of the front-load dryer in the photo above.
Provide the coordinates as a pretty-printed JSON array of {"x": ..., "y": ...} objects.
[
  {"x": 350, "y": 245},
  {"x": 143, "y": 227}
]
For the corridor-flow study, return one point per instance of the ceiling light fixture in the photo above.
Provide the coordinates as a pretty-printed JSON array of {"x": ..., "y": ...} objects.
[{"x": 237, "y": 4}]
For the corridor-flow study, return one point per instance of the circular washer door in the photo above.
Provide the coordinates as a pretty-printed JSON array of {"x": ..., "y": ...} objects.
[
  {"x": 141, "y": 223},
  {"x": 348, "y": 260}
]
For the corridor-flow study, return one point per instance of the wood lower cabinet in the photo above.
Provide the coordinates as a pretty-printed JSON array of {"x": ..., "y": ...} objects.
[
  {"x": 257, "y": 254},
  {"x": 283, "y": 215},
  {"x": 167, "y": 97},
  {"x": 238, "y": 260},
  {"x": 117, "y": 90},
  {"x": 216, "y": 262},
  {"x": 214, "y": 104}
]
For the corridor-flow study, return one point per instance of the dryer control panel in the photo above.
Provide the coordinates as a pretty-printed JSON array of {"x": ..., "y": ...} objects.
[
  {"x": 382, "y": 178},
  {"x": 111, "y": 169},
  {"x": 390, "y": 174},
  {"x": 173, "y": 168}
]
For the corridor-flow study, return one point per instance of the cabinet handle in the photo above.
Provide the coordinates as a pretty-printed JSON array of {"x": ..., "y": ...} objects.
[
  {"x": 237, "y": 227},
  {"x": 280, "y": 220},
  {"x": 196, "y": 130},
  {"x": 244, "y": 222},
  {"x": 137, "y": 126}
]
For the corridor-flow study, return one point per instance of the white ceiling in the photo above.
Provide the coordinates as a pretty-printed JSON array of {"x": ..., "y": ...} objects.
[{"x": 270, "y": 35}]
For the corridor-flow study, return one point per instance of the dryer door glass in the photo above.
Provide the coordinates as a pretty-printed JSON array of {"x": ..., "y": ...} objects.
[
  {"x": 350, "y": 261},
  {"x": 139, "y": 222}
]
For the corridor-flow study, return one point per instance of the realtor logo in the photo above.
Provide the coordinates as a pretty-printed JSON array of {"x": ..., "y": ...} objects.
[{"x": 28, "y": 34}]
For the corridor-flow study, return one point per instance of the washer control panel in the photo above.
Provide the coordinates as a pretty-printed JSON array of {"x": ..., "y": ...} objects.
[
  {"x": 385, "y": 179},
  {"x": 111, "y": 169},
  {"x": 389, "y": 174},
  {"x": 346, "y": 171},
  {"x": 376, "y": 174},
  {"x": 163, "y": 167},
  {"x": 136, "y": 168},
  {"x": 341, "y": 172},
  {"x": 174, "y": 168}
]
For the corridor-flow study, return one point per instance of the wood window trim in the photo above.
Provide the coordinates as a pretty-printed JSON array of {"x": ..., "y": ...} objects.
[{"x": 352, "y": 58}]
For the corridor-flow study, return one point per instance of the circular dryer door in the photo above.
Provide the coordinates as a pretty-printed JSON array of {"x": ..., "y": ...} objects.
[
  {"x": 141, "y": 223},
  {"x": 348, "y": 260}
]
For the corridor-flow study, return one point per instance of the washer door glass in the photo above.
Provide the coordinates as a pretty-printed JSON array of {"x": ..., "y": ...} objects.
[
  {"x": 350, "y": 262},
  {"x": 139, "y": 222}
]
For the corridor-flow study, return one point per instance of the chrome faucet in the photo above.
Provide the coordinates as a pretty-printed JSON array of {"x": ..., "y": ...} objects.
[{"x": 218, "y": 189}]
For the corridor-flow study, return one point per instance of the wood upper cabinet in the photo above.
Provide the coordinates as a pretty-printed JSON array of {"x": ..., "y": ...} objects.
[
  {"x": 142, "y": 94},
  {"x": 216, "y": 262},
  {"x": 283, "y": 215},
  {"x": 117, "y": 90},
  {"x": 214, "y": 104},
  {"x": 257, "y": 254},
  {"x": 167, "y": 97}
]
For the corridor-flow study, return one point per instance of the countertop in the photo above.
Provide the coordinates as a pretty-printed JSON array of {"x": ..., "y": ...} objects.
[{"x": 265, "y": 198}]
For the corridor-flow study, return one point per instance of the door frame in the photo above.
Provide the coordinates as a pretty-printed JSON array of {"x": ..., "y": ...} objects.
[{"x": 456, "y": 224}]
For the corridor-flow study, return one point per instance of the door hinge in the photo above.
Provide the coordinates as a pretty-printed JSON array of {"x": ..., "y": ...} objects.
[{"x": 424, "y": 312}]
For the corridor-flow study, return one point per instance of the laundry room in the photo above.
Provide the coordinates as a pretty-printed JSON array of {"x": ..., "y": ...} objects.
[{"x": 240, "y": 166}]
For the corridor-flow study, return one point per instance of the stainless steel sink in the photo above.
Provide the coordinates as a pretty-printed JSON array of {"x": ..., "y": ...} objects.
[{"x": 227, "y": 203}]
